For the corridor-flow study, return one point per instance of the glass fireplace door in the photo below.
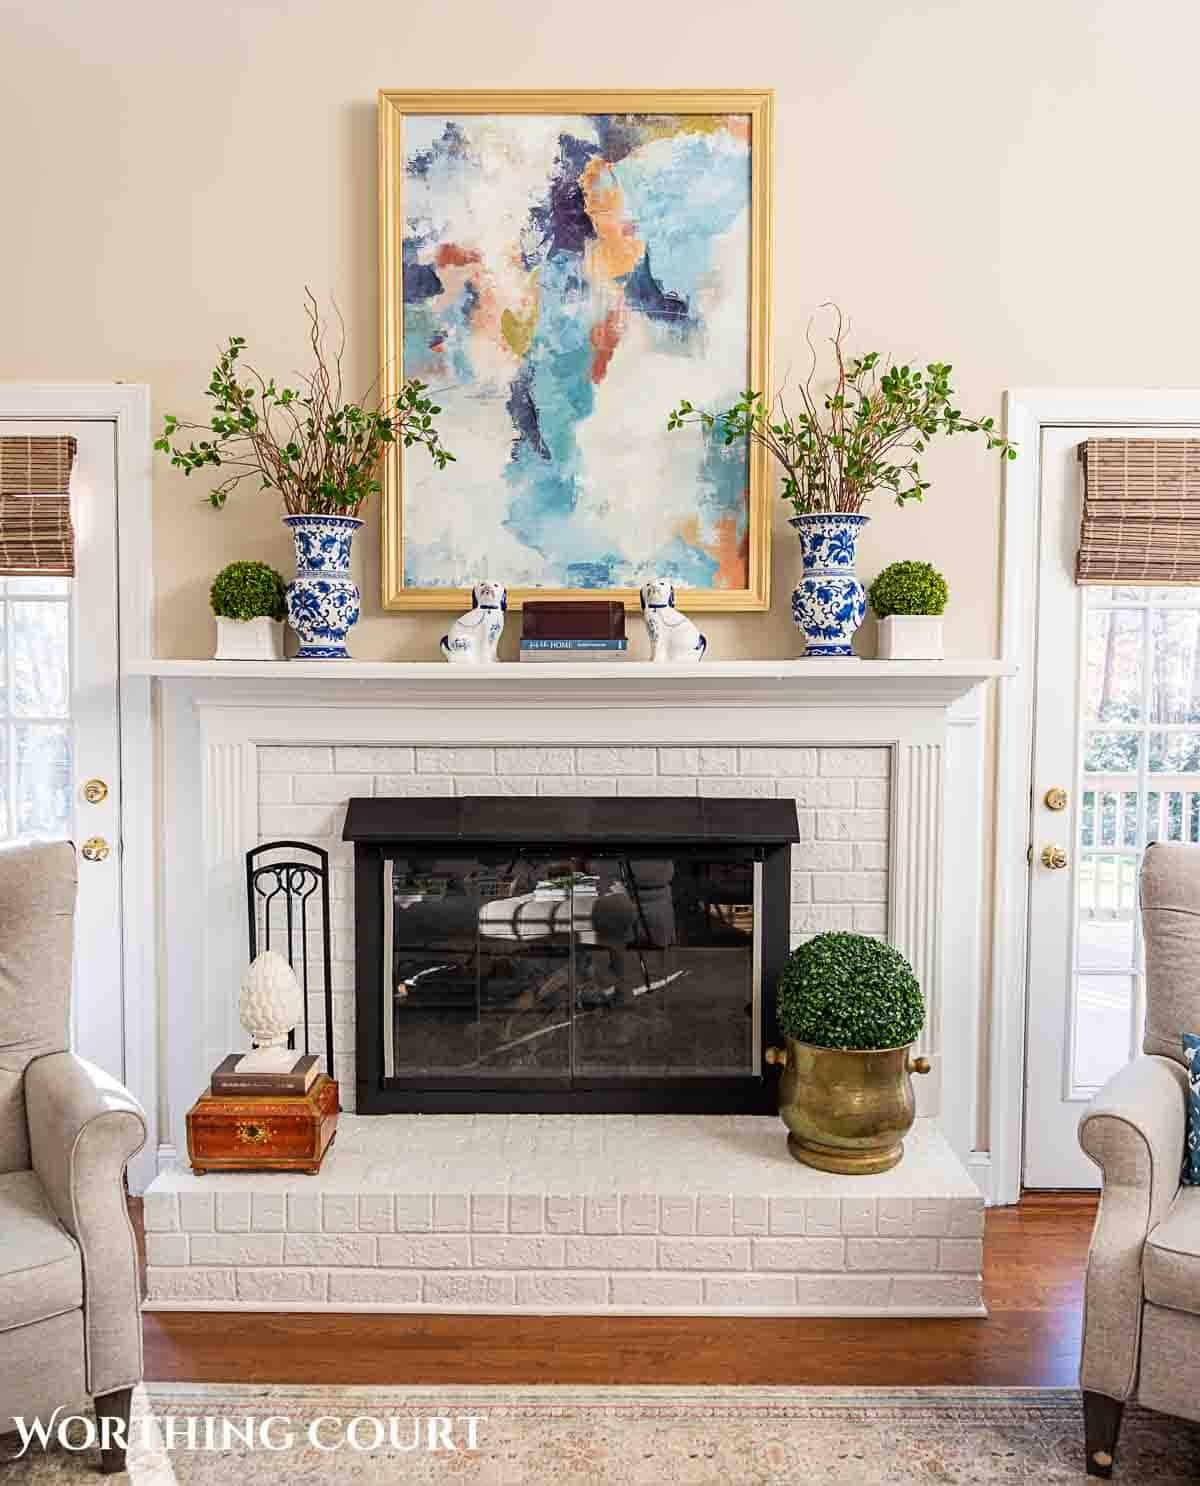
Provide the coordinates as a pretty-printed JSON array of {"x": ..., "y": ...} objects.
[{"x": 563, "y": 969}]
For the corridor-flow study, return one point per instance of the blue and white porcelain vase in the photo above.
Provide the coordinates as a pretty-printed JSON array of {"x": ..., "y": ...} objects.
[
  {"x": 828, "y": 603},
  {"x": 323, "y": 600}
]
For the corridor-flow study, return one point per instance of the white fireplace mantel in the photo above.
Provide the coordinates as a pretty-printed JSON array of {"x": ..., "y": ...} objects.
[
  {"x": 769, "y": 683},
  {"x": 217, "y": 716}
]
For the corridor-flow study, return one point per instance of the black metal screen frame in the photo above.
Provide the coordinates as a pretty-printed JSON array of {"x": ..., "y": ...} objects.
[
  {"x": 750, "y": 1093},
  {"x": 296, "y": 881}
]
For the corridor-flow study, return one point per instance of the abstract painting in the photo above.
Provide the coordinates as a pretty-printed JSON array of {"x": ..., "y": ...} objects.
[{"x": 559, "y": 276}]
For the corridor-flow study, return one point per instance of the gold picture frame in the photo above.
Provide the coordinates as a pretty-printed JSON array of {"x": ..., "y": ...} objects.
[{"x": 758, "y": 105}]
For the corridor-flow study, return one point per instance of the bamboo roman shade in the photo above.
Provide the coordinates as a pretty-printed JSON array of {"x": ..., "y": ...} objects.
[
  {"x": 1141, "y": 511},
  {"x": 36, "y": 536}
]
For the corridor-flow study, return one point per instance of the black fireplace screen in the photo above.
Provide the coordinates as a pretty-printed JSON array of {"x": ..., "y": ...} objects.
[{"x": 570, "y": 973}]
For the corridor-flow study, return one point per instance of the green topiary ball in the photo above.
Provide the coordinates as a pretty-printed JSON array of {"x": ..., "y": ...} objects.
[
  {"x": 846, "y": 990},
  {"x": 248, "y": 590},
  {"x": 908, "y": 588}
]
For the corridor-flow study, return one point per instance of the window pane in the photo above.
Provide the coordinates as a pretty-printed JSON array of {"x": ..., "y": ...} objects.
[
  {"x": 1103, "y": 1008},
  {"x": 1115, "y": 644},
  {"x": 39, "y": 658},
  {"x": 1175, "y": 669},
  {"x": 1175, "y": 753},
  {"x": 1105, "y": 943},
  {"x": 43, "y": 800},
  {"x": 1137, "y": 593},
  {"x": 1111, "y": 753},
  {"x": 1107, "y": 886},
  {"x": 37, "y": 586}
]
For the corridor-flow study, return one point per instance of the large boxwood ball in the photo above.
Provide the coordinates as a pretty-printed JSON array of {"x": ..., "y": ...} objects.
[{"x": 850, "y": 991}]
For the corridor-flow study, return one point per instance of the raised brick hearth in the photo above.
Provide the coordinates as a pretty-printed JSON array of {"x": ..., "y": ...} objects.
[
  {"x": 592, "y": 1213},
  {"x": 607, "y": 1213}
]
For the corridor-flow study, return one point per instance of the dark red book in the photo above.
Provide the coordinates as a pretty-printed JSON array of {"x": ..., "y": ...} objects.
[{"x": 588, "y": 619}]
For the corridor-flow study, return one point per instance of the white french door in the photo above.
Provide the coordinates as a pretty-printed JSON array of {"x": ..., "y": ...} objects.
[
  {"x": 60, "y": 773},
  {"x": 1116, "y": 765}
]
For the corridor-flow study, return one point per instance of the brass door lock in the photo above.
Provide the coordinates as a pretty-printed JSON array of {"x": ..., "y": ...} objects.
[
  {"x": 95, "y": 849},
  {"x": 1055, "y": 799},
  {"x": 94, "y": 791},
  {"x": 1054, "y": 857}
]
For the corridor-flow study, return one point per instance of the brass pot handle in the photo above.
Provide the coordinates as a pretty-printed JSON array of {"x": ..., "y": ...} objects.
[
  {"x": 776, "y": 1055},
  {"x": 919, "y": 1065}
]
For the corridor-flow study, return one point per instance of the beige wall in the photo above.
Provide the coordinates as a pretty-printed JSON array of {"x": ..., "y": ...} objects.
[{"x": 945, "y": 171}]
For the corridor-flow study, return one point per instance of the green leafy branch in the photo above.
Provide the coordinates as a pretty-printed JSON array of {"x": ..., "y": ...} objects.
[
  {"x": 321, "y": 453},
  {"x": 866, "y": 433}
]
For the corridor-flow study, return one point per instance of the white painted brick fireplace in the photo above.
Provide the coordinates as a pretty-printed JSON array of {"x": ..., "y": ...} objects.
[
  {"x": 839, "y": 872},
  {"x": 609, "y": 1213}
]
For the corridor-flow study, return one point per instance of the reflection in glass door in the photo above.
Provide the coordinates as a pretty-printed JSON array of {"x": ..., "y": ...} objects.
[{"x": 1140, "y": 783}]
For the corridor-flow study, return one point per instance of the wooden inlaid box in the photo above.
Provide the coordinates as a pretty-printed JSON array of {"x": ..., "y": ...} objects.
[{"x": 278, "y": 1133}]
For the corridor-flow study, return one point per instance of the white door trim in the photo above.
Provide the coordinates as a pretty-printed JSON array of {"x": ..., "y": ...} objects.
[
  {"x": 127, "y": 407},
  {"x": 1028, "y": 411}
]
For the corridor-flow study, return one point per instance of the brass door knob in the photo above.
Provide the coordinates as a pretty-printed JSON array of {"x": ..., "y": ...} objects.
[
  {"x": 1054, "y": 857},
  {"x": 95, "y": 849}
]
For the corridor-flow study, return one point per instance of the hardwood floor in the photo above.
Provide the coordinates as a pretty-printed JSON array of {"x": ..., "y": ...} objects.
[{"x": 1034, "y": 1257}]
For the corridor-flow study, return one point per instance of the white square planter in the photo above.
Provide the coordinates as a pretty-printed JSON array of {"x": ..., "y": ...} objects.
[
  {"x": 249, "y": 639},
  {"x": 911, "y": 637}
]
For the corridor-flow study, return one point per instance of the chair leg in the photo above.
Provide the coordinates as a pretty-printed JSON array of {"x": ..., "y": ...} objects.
[
  {"x": 1101, "y": 1426},
  {"x": 112, "y": 1426}
]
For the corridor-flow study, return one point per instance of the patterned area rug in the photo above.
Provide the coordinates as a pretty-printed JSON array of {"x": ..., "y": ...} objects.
[{"x": 194, "y": 1436}]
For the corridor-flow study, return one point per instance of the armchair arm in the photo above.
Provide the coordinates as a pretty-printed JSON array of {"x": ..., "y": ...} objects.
[
  {"x": 1135, "y": 1130},
  {"x": 83, "y": 1128}
]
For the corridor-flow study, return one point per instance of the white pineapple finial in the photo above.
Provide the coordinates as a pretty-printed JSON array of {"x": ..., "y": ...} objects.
[{"x": 270, "y": 1005}]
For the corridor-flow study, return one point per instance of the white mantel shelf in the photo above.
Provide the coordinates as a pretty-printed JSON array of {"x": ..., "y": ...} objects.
[{"x": 844, "y": 683}]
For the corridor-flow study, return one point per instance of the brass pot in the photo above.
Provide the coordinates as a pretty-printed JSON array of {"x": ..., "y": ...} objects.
[{"x": 846, "y": 1110}]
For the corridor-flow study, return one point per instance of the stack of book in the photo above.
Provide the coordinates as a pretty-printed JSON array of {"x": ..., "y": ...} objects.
[
  {"x": 247, "y": 1121},
  {"x": 588, "y": 630},
  {"x": 298, "y": 1080}
]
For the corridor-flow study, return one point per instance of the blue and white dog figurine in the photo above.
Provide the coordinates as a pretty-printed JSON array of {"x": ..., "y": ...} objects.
[
  {"x": 674, "y": 639},
  {"x": 474, "y": 636}
]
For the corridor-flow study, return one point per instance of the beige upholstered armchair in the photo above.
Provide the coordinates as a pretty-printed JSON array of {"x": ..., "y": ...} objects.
[
  {"x": 1141, "y": 1315},
  {"x": 69, "y": 1290}
]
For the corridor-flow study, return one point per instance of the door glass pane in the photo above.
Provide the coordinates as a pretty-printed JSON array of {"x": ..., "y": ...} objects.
[
  {"x": 35, "y": 689},
  {"x": 1175, "y": 753},
  {"x": 37, "y": 658},
  {"x": 1140, "y": 783},
  {"x": 528, "y": 920},
  {"x": 480, "y": 969},
  {"x": 1175, "y": 682},
  {"x": 556, "y": 966},
  {"x": 672, "y": 940},
  {"x": 38, "y": 587},
  {"x": 1115, "y": 647},
  {"x": 1103, "y": 1005},
  {"x": 1112, "y": 753},
  {"x": 43, "y": 780}
]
